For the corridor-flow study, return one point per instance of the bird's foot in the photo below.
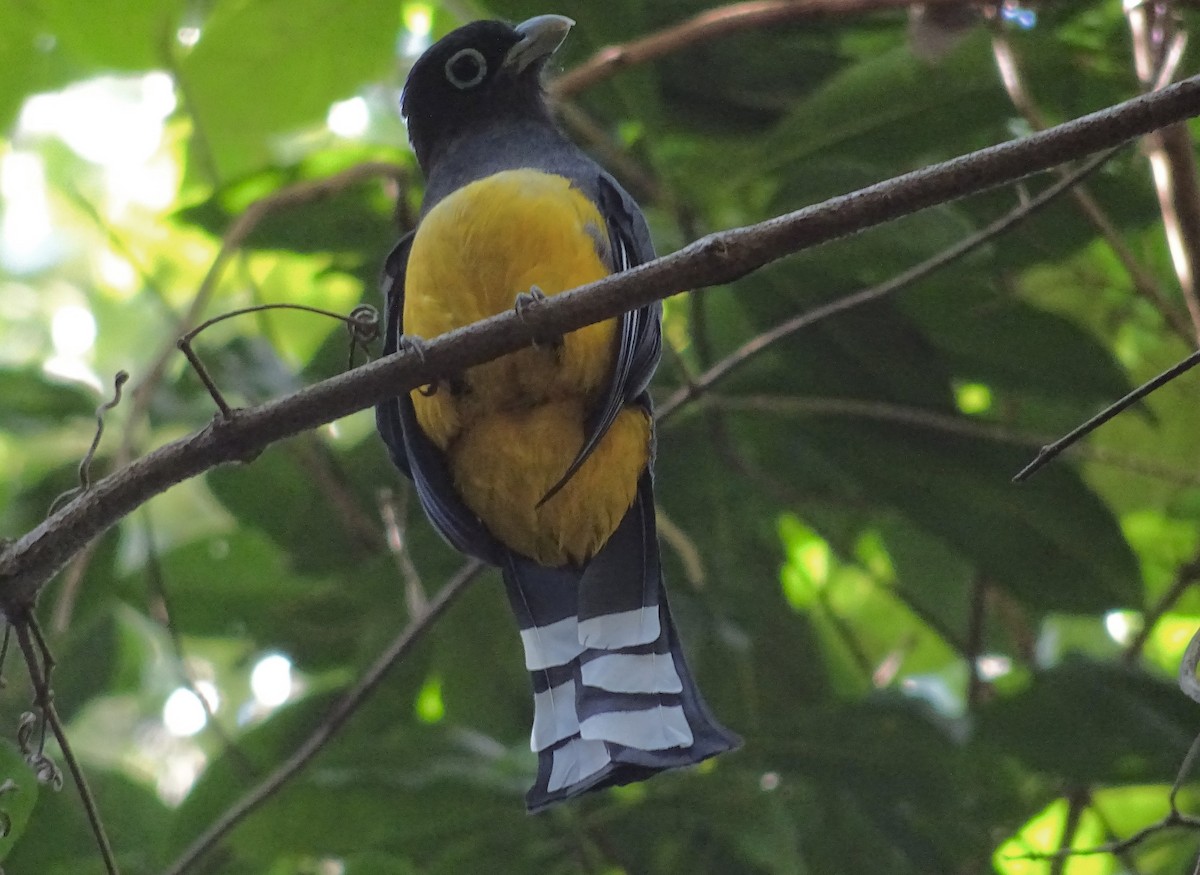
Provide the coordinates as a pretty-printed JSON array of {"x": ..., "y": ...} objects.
[
  {"x": 524, "y": 303},
  {"x": 414, "y": 344},
  {"x": 527, "y": 300},
  {"x": 418, "y": 347}
]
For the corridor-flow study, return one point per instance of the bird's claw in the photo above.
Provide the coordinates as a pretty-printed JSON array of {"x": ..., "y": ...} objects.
[
  {"x": 524, "y": 302},
  {"x": 417, "y": 346},
  {"x": 414, "y": 344}
]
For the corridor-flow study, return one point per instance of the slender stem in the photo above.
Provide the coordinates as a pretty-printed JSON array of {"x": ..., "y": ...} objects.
[
  {"x": 1170, "y": 151},
  {"x": 45, "y": 702},
  {"x": 85, "y": 466},
  {"x": 156, "y": 580},
  {"x": 337, "y": 717},
  {"x": 757, "y": 345},
  {"x": 185, "y": 347},
  {"x": 1049, "y": 451},
  {"x": 363, "y": 323},
  {"x": 975, "y": 633},
  {"x": 711, "y": 25},
  {"x": 235, "y": 236},
  {"x": 1077, "y": 803},
  {"x": 393, "y": 511},
  {"x": 1185, "y": 576},
  {"x": 1143, "y": 281},
  {"x": 935, "y": 420}
]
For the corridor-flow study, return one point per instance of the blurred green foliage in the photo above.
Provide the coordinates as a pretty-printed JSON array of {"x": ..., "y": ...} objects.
[{"x": 930, "y": 665}]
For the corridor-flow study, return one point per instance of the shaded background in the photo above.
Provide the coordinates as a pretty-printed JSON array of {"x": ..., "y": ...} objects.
[{"x": 934, "y": 670}]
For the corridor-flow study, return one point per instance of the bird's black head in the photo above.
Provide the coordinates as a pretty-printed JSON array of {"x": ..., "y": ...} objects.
[{"x": 483, "y": 71}]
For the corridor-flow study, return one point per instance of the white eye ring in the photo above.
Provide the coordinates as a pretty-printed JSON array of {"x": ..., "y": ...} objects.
[{"x": 480, "y": 71}]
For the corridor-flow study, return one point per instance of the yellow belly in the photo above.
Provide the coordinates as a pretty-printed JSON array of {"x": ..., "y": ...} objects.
[
  {"x": 506, "y": 462},
  {"x": 513, "y": 426}
]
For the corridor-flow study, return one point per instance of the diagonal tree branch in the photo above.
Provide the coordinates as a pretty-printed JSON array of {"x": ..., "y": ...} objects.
[
  {"x": 1158, "y": 44},
  {"x": 1144, "y": 283},
  {"x": 714, "y": 374},
  {"x": 713, "y": 24},
  {"x": 28, "y": 563},
  {"x": 342, "y": 711}
]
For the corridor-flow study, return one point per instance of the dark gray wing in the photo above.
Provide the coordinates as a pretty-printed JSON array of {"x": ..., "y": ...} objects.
[
  {"x": 640, "y": 331},
  {"x": 409, "y": 448}
]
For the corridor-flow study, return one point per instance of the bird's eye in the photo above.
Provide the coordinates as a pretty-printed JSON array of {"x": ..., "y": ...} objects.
[{"x": 466, "y": 68}]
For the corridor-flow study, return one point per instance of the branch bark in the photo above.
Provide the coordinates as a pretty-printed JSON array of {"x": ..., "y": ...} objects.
[
  {"x": 1143, "y": 281},
  {"x": 28, "y": 563}
]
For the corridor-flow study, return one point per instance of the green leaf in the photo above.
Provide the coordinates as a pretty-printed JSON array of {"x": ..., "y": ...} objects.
[
  {"x": 1094, "y": 722},
  {"x": 266, "y": 68},
  {"x": 18, "y": 796},
  {"x": 32, "y": 60},
  {"x": 1004, "y": 342},
  {"x": 121, "y": 34},
  {"x": 32, "y": 402},
  {"x": 960, "y": 491},
  {"x": 902, "y": 109},
  {"x": 58, "y": 838},
  {"x": 279, "y": 495},
  {"x": 242, "y": 585}
]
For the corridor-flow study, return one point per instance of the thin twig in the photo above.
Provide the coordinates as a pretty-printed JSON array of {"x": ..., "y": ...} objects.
[
  {"x": 758, "y": 344},
  {"x": 1185, "y": 769},
  {"x": 1172, "y": 820},
  {"x": 947, "y": 423},
  {"x": 60, "y": 618},
  {"x": 1174, "y": 817},
  {"x": 205, "y": 378},
  {"x": 68, "y": 593},
  {"x": 337, "y": 717},
  {"x": 321, "y": 466},
  {"x": 237, "y": 233},
  {"x": 685, "y": 548},
  {"x": 1049, "y": 451},
  {"x": 4, "y": 642},
  {"x": 45, "y": 702},
  {"x": 1077, "y": 803},
  {"x": 1126, "y": 858},
  {"x": 975, "y": 631},
  {"x": 393, "y": 510},
  {"x": 1185, "y": 576},
  {"x": 156, "y": 579},
  {"x": 85, "y": 466},
  {"x": 363, "y": 324},
  {"x": 1143, "y": 281},
  {"x": 27, "y": 563},
  {"x": 712, "y": 25},
  {"x": 1171, "y": 152},
  {"x": 170, "y": 51},
  {"x": 235, "y": 236},
  {"x": 119, "y": 245}
]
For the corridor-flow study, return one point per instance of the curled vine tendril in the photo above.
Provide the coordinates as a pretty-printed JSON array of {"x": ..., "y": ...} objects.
[
  {"x": 85, "y": 467},
  {"x": 362, "y": 323}
]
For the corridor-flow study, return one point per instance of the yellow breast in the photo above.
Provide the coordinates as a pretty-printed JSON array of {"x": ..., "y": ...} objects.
[{"x": 512, "y": 426}]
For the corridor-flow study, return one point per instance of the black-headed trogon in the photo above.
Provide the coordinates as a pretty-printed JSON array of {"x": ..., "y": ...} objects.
[{"x": 541, "y": 462}]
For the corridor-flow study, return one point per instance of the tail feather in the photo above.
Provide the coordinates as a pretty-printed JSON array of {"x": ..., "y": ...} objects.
[
  {"x": 617, "y": 594},
  {"x": 618, "y": 711},
  {"x": 656, "y": 727},
  {"x": 631, "y": 671}
]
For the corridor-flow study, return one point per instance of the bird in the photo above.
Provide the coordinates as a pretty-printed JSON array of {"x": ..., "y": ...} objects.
[{"x": 541, "y": 462}]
